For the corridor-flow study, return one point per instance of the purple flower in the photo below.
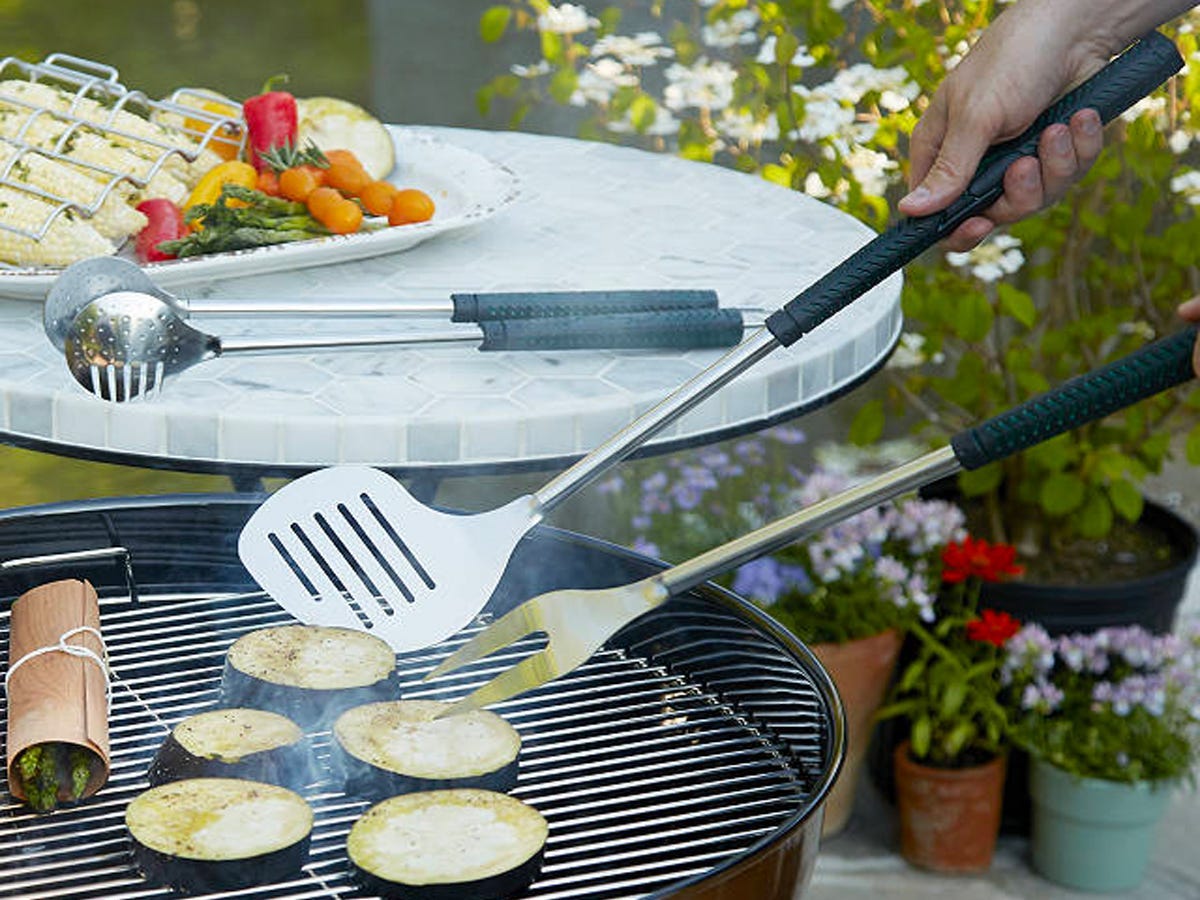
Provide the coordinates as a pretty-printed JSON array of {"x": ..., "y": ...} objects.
[
  {"x": 787, "y": 434},
  {"x": 1041, "y": 696},
  {"x": 767, "y": 579}
]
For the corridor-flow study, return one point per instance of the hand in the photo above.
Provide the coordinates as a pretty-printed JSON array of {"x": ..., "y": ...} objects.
[
  {"x": 1024, "y": 61},
  {"x": 1191, "y": 312}
]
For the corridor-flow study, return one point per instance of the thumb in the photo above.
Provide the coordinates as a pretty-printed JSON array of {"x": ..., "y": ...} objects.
[
  {"x": 950, "y": 172},
  {"x": 1190, "y": 309}
]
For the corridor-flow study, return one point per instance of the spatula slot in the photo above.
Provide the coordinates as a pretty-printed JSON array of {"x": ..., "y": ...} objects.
[
  {"x": 399, "y": 541},
  {"x": 351, "y": 560},
  {"x": 379, "y": 558},
  {"x": 292, "y": 565},
  {"x": 318, "y": 558}
]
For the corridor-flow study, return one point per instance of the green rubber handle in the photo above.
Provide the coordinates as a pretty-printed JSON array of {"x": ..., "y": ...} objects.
[
  {"x": 1164, "y": 364},
  {"x": 681, "y": 329},
  {"x": 498, "y": 306}
]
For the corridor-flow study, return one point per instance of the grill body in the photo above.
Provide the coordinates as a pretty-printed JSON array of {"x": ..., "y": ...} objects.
[{"x": 689, "y": 758}]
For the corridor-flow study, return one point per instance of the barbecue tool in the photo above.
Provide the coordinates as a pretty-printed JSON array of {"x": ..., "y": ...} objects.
[
  {"x": 82, "y": 282},
  {"x": 123, "y": 345},
  {"x": 419, "y": 575},
  {"x": 577, "y": 622}
]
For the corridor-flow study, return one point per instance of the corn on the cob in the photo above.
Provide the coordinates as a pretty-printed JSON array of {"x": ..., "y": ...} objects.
[
  {"x": 147, "y": 139},
  {"x": 45, "y": 132},
  {"x": 112, "y": 217},
  {"x": 68, "y": 238}
]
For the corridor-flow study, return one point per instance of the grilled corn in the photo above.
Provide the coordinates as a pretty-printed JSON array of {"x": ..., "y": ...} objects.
[{"x": 67, "y": 238}]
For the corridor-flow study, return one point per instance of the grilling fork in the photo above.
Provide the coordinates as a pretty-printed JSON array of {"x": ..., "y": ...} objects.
[{"x": 577, "y": 622}]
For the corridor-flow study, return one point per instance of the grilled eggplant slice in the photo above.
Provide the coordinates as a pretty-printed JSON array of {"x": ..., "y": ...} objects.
[
  {"x": 309, "y": 673},
  {"x": 446, "y": 845},
  {"x": 396, "y": 747},
  {"x": 218, "y": 834},
  {"x": 235, "y": 743}
]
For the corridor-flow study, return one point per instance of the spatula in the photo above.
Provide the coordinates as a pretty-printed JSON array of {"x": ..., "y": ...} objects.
[
  {"x": 577, "y": 622},
  {"x": 419, "y": 575}
]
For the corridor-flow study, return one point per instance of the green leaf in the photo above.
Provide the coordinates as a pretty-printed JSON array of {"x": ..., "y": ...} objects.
[
  {"x": 494, "y": 22},
  {"x": 972, "y": 317},
  {"x": 958, "y": 737},
  {"x": 1126, "y": 499},
  {"x": 1192, "y": 447},
  {"x": 562, "y": 85},
  {"x": 786, "y": 45},
  {"x": 642, "y": 112},
  {"x": 1061, "y": 494},
  {"x": 952, "y": 699},
  {"x": 912, "y": 675},
  {"x": 868, "y": 424},
  {"x": 921, "y": 735},
  {"x": 980, "y": 481},
  {"x": 552, "y": 47},
  {"x": 1016, "y": 303},
  {"x": 1095, "y": 518}
]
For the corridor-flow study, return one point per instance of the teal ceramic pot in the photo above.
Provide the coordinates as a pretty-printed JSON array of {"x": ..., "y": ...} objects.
[{"x": 1091, "y": 834}]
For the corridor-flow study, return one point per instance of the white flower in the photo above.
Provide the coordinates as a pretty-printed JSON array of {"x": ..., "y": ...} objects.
[
  {"x": 542, "y": 67},
  {"x": 910, "y": 352},
  {"x": 1153, "y": 108},
  {"x": 729, "y": 31},
  {"x": 642, "y": 49},
  {"x": 991, "y": 260},
  {"x": 870, "y": 169},
  {"x": 741, "y": 126},
  {"x": 664, "y": 124},
  {"x": 704, "y": 85},
  {"x": 839, "y": 5},
  {"x": 1188, "y": 184},
  {"x": 824, "y": 116},
  {"x": 766, "y": 54},
  {"x": 567, "y": 18},
  {"x": 1179, "y": 141},
  {"x": 599, "y": 81},
  {"x": 855, "y": 82},
  {"x": 815, "y": 187}
]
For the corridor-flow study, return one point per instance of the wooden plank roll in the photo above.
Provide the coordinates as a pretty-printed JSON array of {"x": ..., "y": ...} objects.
[{"x": 57, "y": 684}]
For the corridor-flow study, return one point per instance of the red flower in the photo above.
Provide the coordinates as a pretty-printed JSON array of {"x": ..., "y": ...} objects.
[
  {"x": 993, "y": 627},
  {"x": 976, "y": 558}
]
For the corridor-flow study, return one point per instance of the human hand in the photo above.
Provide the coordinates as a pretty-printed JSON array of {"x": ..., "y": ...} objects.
[
  {"x": 1190, "y": 310},
  {"x": 1024, "y": 61}
]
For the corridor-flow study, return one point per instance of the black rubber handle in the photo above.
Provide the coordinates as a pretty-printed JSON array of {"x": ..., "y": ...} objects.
[
  {"x": 493, "y": 307},
  {"x": 1112, "y": 90},
  {"x": 1085, "y": 398},
  {"x": 683, "y": 329}
]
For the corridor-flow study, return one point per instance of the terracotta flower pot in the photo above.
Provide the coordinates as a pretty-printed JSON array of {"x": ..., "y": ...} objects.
[
  {"x": 861, "y": 671},
  {"x": 949, "y": 818}
]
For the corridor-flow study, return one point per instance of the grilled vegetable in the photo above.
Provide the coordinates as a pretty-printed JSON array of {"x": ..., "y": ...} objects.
[
  {"x": 208, "y": 188},
  {"x": 447, "y": 844},
  {"x": 164, "y": 222},
  {"x": 256, "y": 220},
  {"x": 270, "y": 121},
  {"x": 52, "y": 773},
  {"x": 235, "y": 743},
  {"x": 67, "y": 239},
  {"x": 309, "y": 673},
  {"x": 218, "y": 834},
  {"x": 332, "y": 123},
  {"x": 383, "y": 749}
]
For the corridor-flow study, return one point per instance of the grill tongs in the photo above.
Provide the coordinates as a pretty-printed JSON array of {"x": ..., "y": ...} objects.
[{"x": 577, "y": 622}]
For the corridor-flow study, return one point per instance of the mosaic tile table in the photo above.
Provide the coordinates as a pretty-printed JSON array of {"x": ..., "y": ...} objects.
[{"x": 588, "y": 216}]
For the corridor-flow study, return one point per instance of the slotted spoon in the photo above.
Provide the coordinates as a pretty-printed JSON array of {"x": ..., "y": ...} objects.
[
  {"x": 577, "y": 622},
  {"x": 304, "y": 545}
]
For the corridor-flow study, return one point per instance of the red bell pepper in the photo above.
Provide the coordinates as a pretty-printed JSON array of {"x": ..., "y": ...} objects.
[
  {"x": 165, "y": 224},
  {"x": 270, "y": 121}
]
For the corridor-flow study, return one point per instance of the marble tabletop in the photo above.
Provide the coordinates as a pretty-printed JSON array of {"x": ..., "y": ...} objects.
[{"x": 586, "y": 216}]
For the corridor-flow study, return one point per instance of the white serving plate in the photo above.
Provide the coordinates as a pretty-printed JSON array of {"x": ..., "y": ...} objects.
[{"x": 467, "y": 188}]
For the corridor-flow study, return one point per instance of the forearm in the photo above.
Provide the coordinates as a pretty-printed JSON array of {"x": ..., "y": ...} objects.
[{"x": 1108, "y": 25}]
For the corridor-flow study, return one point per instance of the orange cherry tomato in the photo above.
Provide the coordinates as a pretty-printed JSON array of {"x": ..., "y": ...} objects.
[
  {"x": 298, "y": 182},
  {"x": 377, "y": 197},
  {"x": 410, "y": 205},
  {"x": 268, "y": 182}
]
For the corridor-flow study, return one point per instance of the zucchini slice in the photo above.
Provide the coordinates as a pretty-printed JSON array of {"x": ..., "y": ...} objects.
[
  {"x": 234, "y": 743},
  {"x": 218, "y": 834},
  {"x": 447, "y": 845},
  {"x": 309, "y": 673},
  {"x": 395, "y": 747}
]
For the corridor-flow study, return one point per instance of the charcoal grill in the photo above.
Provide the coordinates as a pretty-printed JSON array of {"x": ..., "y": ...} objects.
[{"x": 689, "y": 758}]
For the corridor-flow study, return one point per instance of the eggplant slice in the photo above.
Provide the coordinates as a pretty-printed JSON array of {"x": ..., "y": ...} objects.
[
  {"x": 309, "y": 673},
  {"x": 218, "y": 834},
  {"x": 396, "y": 747},
  {"x": 253, "y": 744},
  {"x": 448, "y": 845}
]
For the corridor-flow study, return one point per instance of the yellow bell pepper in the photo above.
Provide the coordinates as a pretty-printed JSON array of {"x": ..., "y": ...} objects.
[
  {"x": 226, "y": 140},
  {"x": 208, "y": 188}
]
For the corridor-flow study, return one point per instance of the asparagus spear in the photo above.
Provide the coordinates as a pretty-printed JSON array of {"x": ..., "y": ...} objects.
[{"x": 42, "y": 768}]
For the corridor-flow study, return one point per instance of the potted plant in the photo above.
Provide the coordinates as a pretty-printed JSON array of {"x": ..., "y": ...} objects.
[
  {"x": 950, "y": 771},
  {"x": 850, "y": 592},
  {"x": 1111, "y": 720}
]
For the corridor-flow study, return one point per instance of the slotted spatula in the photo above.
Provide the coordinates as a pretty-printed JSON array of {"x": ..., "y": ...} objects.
[{"x": 351, "y": 546}]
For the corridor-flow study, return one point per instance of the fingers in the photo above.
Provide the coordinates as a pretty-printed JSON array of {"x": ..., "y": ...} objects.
[
  {"x": 1065, "y": 153},
  {"x": 955, "y": 158},
  {"x": 1190, "y": 310}
]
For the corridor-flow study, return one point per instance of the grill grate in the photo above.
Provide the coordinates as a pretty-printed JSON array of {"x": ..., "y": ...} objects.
[{"x": 648, "y": 765}]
